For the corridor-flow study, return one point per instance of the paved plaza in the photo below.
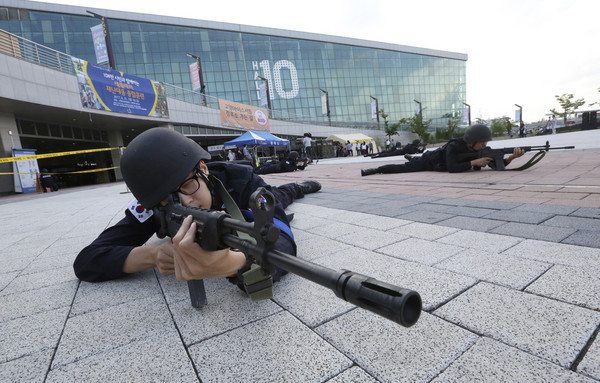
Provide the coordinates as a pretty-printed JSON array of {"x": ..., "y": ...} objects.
[{"x": 506, "y": 263}]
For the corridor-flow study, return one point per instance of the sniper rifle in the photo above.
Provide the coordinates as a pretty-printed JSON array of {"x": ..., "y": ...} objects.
[{"x": 217, "y": 230}]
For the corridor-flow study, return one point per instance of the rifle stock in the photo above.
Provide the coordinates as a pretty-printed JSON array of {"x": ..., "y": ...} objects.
[{"x": 217, "y": 230}]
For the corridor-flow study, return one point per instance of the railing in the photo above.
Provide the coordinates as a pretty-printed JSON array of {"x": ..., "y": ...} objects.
[{"x": 35, "y": 53}]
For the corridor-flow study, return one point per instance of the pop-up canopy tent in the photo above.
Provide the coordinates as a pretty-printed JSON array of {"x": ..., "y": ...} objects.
[
  {"x": 353, "y": 137},
  {"x": 258, "y": 138}
]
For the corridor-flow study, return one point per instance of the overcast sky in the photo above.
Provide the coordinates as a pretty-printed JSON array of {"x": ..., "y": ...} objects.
[{"x": 520, "y": 51}]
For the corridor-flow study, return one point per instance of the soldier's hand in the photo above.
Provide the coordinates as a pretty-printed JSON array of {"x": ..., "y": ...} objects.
[
  {"x": 481, "y": 162},
  {"x": 193, "y": 262},
  {"x": 164, "y": 259}
]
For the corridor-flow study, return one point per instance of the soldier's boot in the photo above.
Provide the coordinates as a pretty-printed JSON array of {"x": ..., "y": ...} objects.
[{"x": 368, "y": 172}]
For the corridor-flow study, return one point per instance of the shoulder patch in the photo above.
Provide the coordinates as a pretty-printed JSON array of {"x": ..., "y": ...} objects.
[{"x": 139, "y": 212}]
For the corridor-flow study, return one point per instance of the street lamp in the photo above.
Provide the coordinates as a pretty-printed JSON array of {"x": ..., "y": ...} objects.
[
  {"x": 420, "y": 109},
  {"x": 469, "y": 108},
  {"x": 109, "y": 51},
  {"x": 327, "y": 105},
  {"x": 268, "y": 94},
  {"x": 376, "y": 109},
  {"x": 202, "y": 86},
  {"x": 520, "y": 114}
]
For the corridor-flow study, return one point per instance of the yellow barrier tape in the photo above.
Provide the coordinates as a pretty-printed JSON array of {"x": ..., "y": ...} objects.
[
  {"x": 49, "y": 155},
  {"x": 78, "y": 172}
]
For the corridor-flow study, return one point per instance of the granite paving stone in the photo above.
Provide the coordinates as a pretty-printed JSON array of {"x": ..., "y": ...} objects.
[
  {"x": 420, "y": 250},
  {"x": 288, "y": 352},
  {"x": 393, "y": 353},
  {"x": 587, "y": 238},
  {"x": 531, "y": 323},
  {"x": 228, "y": 308},
  {"x": 569, "y": 284},
  {"x": 161, "y": 358},
  {"x": 503, "y": 269},
  {"x": 31, "y": 302},
  {"x": 29, "y": 368},
  {"x": 26, "y": 282},
  {"x": 590, "y": 365},
  {"x": 519, "y": 216},
  {"x": 470, "y": 223},
  {"x": 525, "y": 230},
  {"x": 562, "y": 254},
  {"x": 435, "y": 286},
  {"x": 102, "y": 330},
  {"x": 355, "y": 375},
  {"x": 95, "y": 296},
  {"x": 489, "y": 360},
  {"x": 493, "y": 243},
  {"x": 371, "y": 239},
  {"x": 586, "y": 212},
  {"x": 30, "y": 334},
  {"x": 335, "y": 229},
  {"x": 574, "y": 222},
  {"x": 370, "y": 220},
  {"x": 546, "y": 209},
  {"x": 421, "y": 216},
  {"x": 424, "y": 230}
]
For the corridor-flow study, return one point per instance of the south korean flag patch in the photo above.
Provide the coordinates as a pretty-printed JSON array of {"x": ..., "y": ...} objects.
[{"x": 139, "y": 212}]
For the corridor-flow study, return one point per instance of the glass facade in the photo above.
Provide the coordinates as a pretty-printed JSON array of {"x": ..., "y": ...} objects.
[{"x": 295, "y": 68}]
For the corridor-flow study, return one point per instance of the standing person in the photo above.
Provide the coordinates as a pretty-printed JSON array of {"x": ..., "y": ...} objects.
[
  {"x": 387, "y": 144},
  {"x": 307, "y": 141},
  {"x": 521, "y": 129},
  {"x": 447, "y": 158},
  {"x": 160, "y": 163},
  {"x": 370, "y": 147},
  {"x": 230, "y": 155},
  {"x": 553, "y": 124},
  {"x": 246, "y": 152},
  {"x": 349, "y": 148}
]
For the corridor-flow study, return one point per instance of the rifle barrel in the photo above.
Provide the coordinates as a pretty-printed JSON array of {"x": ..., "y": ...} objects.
[{"x": 397, "y": 304}]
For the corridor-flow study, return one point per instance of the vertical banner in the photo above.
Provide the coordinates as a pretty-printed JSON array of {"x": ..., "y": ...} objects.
[
  {"x": 262, "y": 91},
  {"x": 99, "y": 44},
  {"x": 417, "y": 109},
  {"x": 518, "y": 115},
  {"x": 27, "y": 170},
  {"x": 373, "y": 110},
  {"x": 465, "y": 116},
  {"x": 243, "y": 116},
  {"x": 195, "y": 75},
  {"x": 324, "y": 104}
]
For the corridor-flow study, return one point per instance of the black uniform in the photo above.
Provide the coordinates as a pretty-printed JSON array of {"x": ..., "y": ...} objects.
[
  {"x": 446, "y": 158},
  {"x": 285, "y": 166},
  {"x": 103, "y": 259}
]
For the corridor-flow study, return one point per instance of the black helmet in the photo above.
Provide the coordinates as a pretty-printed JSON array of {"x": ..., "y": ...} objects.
[
  {"x": 294, "y": 155},
  {"x": 478, "y": 133},
  {"x": 157, "y": 161}
]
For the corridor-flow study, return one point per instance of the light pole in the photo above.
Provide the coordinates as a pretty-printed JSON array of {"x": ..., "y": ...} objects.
[
  {"x": 109, "y": 51},
  {"x": 469, "y": 111},
  {"x": 327, "y": 105},
  {"x": 376, "y": 109},
  {"x": 520, "y": 114},
  {"x": 268, "y": 93},
  {"x": 202, "y": 86},
  {"x": 420, "y": 109}
]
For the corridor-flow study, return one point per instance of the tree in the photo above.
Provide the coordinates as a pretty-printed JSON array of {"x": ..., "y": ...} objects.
[
  {"x": 500, "y": 126},
  {"x": 389, "y": 130},
  {"x": 419, "y": 126},
  {"x": 568, "y": 105},
  {"x": 452, "y": 126}
]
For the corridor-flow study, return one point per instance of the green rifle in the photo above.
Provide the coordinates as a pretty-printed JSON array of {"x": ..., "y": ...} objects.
[
  {"x": 218, "y": 230},
  {"x": 497, "y": 155}
]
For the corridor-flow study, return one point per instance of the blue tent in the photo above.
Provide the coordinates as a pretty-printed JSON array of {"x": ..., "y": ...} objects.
[{"x": 257, "y": 138}]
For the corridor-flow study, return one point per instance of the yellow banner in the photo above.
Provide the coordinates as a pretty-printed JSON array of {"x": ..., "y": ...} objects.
[
  {"x": 48, "y": 155},
  {"x": 243, "y": 116}
]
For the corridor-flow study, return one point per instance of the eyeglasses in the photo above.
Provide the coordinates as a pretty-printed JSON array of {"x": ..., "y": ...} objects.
[{"x": 192, "y": 184}]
